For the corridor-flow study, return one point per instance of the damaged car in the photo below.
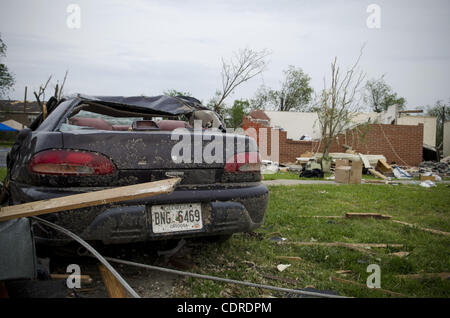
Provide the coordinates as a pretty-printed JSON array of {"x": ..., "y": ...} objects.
[{"x": 87, "y": 143}]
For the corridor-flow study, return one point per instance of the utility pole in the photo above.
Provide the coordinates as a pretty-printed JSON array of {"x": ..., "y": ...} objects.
[{"x": 25, "y": 101}]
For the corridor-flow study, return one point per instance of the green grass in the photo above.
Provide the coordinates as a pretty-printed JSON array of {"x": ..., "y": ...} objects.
[
  {"x": 250, "y": 257},
  {"x": 6, "y": 144},
  {"x": 2, "y": 173}
]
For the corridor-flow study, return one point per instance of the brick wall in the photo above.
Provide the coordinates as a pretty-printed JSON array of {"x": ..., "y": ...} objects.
[{"x": 401, "y": 144}]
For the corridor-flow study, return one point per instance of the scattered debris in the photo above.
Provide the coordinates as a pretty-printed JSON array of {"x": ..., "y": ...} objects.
[
  {"x": 349, "y": 245},
  {"x": 385, "y": 181},
  {"x": 278, "y": 239},
  {"x": 343, "y": 271},
  {"x": 383, "y": 167},
  {"x": 399, "y": 173},
  {"x": 442, "y": 168},
  {"x": 372, "y": 159},
  {"x": 269, "y": 167},
  {"x": 364, "y": 245},
  {"x": 367, "y": 215},
  {"x": 399, "y": 254},
  {"x": 378, "y": 174},
  {"x": 443, "y": 276},
  {"x": 282, "y": 267},
  {"x": 365, "y": 161},
  {"x": 322, "y": 216},
  {"x": 427, "y": 184},
  {"x": 345, "y": 281},
  {"x": 312, "y": 169},
  {"x": 226, "y": 280},
  {"x": 291, "y": 258},
  {"x": 422, "y": 228}
]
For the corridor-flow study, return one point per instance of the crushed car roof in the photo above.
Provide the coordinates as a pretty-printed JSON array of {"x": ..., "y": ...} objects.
[{"x": 164, "y": 105}]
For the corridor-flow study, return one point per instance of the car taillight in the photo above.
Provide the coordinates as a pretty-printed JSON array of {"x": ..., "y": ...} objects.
[
  {"x": 244, "y": 162},
  {"x": 70, "y": 162}
]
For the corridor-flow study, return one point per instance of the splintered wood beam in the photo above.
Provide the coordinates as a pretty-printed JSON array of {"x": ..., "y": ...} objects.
[
  {"x": 89, "y": 199},
  {"x": 422, "y": 228},
  {"x": 346, "y": 281},
  {"x": 443, "y": 276},
  {"x": 367, "y": 215},
  {"x": 342, "y": 244},
  {"x": 377, "y": 174},
  {"x": 113, "y": 287},
  {"x": 83, "y": 278}
]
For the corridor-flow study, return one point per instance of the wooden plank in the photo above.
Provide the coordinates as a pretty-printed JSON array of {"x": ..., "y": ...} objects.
[
  {"x": 383, "y": 166},
  {"x": 89, "y": 199},
  {"x": 367, "y": 215},
  {"x": 113, "y": 287},
  {"x": 83, "y": 278},
  {"x": 443, "y": 276},
  {"x": 377, "y": 174},
  {"x": 322, "y": 216},
  {"x": 385, "y": 181},
  {"x": 346, "y": 281},
  {"x": 342, "y": 244},
  {"x": 422, "y": 228}
]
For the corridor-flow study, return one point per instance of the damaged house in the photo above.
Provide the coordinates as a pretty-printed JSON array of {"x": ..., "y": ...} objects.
[{"x": 400, "y": 137}]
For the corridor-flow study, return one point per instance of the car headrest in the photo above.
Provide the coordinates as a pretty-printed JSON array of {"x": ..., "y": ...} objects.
[
  {"x": 169, "y": 125},
  {"x": 97, "y": 123}
]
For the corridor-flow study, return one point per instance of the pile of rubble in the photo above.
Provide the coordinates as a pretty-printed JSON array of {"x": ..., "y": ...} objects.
[{"x": 441, "y": 168}]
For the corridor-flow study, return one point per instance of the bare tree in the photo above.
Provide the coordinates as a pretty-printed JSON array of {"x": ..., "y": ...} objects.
[
  {"x": 338, "y": 103},
  {"x": 245, "y": 65},
  {"x": 40, "y": 95},
  {"x": 59, "y": 93}
]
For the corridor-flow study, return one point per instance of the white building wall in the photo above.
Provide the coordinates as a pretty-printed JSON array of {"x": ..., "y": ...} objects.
[
  {"x": 429, "y": 127},
  {"x": 296, "y": 124},
  {"x": 446, "y": 139}
]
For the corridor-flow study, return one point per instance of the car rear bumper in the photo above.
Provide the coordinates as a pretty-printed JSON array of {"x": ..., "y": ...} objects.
[{"x": 225, "y": 210}]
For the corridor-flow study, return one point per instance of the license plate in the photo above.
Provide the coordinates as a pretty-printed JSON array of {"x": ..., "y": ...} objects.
[{"x": 176, "y": 217}]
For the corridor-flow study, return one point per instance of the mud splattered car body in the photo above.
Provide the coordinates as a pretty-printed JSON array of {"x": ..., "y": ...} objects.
[{"x": 93, "y": 143}]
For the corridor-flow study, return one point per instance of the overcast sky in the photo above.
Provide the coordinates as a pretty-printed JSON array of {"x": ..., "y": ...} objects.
[{"x": 145, "y": 47}]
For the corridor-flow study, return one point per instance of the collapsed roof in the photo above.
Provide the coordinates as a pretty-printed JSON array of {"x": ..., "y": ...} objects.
[{"x": 161, "y": 105}]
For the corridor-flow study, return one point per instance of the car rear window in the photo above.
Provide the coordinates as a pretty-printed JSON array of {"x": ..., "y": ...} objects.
[{"x": 94, "y": 121}]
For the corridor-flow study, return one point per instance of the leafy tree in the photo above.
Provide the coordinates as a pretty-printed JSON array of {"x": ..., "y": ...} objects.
[
  {"x": 295, "y": 92},
  {"x": 379, "y": 95},
  {"x": 442, "y": 113},
  {"x": 236, "y": 113},
  {"x": 6, "y": 78},
  {"x": 174, "y": 93}
]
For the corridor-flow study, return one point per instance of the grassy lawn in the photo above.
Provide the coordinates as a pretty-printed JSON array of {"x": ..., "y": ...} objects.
[
  {"x": 2, "y": 173},
  {"x": 6, "y": 144},
  {"x": 251, "y": 257}
]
